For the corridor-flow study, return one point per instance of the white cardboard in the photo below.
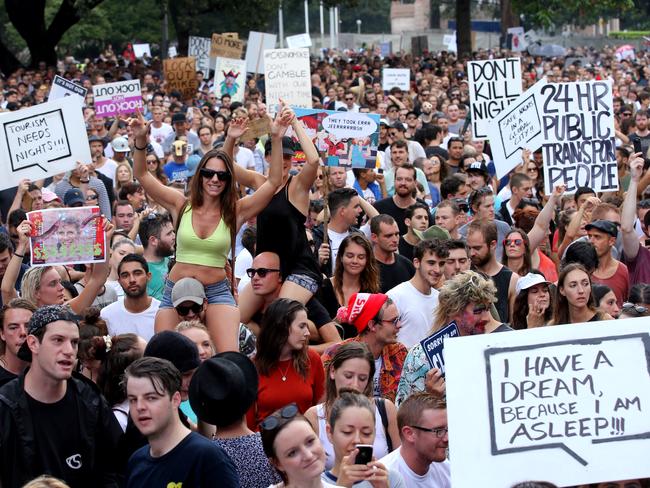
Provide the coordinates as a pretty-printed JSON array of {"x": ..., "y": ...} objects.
[
  {"x": 396, "y": 77},
  {"x": 287, "y": 76},
  {"x": 258, "y": 42}
]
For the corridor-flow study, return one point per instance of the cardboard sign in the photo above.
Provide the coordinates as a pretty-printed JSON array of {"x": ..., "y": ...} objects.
[
  {"x": 199, "y": 47},
  {"x": 180, "y": 74},
  {"x": 348, "y": 139},
  {"x": 226, "y": 47},
  {"x": 566, "y": 404},
  {"x": 493, "y": 85},
  {"x": 258, "y": 42},
  {"x": 287, "y": 76},
  {"x": 435, "y": 343},
  {"x": 517, "y": 127},
  {"x": 67, "y": 236},
  {"x": 299, "y": 40},
  {"x": 230, "y": 78},
  {"x": 579, "y": 140},
  {"x": 517, "y": 39},
  {"x": 119, "y": 98},
  {"x": 41, "y": 141},
  {"x": 257, "y": 128},
  {"x": 395, "y": 77},
  {"x": 142, "y": 50},
  {"x": 65, "y": 88}
]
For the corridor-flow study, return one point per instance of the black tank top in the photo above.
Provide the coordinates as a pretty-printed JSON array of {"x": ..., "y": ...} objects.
[
  {"x": 502, "y": 282},
  {"x": 281, "y": 229}
]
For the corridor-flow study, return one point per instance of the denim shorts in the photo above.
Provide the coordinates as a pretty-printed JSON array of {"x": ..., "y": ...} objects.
[
  {"x": 305, "y": 281},
  {"x": 218, "y": 294}
]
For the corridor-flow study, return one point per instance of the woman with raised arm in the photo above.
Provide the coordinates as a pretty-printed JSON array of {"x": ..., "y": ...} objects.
[
  {"x": 207, "y": 223},
  {"x": 281, "y": 225}
]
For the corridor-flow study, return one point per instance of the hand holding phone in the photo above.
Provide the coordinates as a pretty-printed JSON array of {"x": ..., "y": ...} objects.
[{"x": 364, "y": 456}]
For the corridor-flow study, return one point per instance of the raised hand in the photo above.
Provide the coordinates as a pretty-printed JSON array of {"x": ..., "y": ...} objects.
[
  {"x": 237, "y": 127},
  {"x": 139, "y": 126}
]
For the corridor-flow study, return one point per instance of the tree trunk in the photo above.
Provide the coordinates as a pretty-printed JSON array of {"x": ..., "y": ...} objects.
[
  {"x": 8, "y": 61},
  {"x": 463, "y": 28},
  {"x": 508, "y": 17}
]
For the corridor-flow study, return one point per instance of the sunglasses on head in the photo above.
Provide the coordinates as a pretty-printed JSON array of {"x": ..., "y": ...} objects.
[
  {"x": 274, "y": 420},
  {"x": 195, "y": 308},
  {"x": 516, "y": 242},
  {"x": 261, "y": 272},
  {"x": 210, "y": 173}
]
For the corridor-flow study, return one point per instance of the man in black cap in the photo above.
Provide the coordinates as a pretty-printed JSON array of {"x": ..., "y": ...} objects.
[
  {"x": 611, "y": 272},
  {"x": 477, "y": 175},
  {"x": 181, "y": 128},
  {"x": 52, "y": 421}
]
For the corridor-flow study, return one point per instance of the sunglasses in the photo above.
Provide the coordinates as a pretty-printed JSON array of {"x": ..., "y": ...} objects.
[
  {"x": 478, "y": 310},
  {"x": 629, "y": 307},
  {"x": 261, "y": 272},
  {"x": 91, "y": 197},
  {"x": 183, "y": 310},
  {"x": 210, "y": 173},
  {"x": 274, "y": 420},
  {"x": 509, "y": 242},
  {"x": 349, "y": 99}
]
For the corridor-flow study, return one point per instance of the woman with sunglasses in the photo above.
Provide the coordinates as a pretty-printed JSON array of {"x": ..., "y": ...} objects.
[
  {"x": 533, "y": 305},
  {"x": 207, "y": 223},
  {"x": 351, "y": 424},
  {"x": 516, "y": 251},
  {"x": 92, "y": 198},
  {"x": 574, "y": 302},
  {"x": 289, "y": 371},
  {"x": 154, "y": 167},
  {"x": 293, "y": 449},
  {"x": 354, "y": 367}
]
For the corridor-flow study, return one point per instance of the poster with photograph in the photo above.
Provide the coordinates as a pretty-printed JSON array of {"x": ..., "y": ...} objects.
[{"x": 67, "y": 236}]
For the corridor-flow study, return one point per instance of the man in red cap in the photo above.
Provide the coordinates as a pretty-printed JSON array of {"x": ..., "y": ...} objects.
[{"x": 377, "y": 319}]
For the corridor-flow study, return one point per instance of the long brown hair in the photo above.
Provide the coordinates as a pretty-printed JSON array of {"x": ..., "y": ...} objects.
[
  {"x": 561, "y": 313},
  {"x": 369, "y": 278},
  {"x": 526, "y": 265},
  {"x": 350, "y": 350}
]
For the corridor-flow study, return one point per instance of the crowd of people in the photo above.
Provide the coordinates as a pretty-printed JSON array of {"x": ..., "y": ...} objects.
[{"x": 258, "y": 319}]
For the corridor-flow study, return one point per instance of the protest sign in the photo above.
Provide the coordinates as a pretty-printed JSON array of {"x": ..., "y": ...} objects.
[
  {"x": 199, "y": 47},
  {"x": 172, "y": 52},
  {"x": 395, "y": 77},
  {"x": 66, "y": 88},
  {"x": 67, "y": 236},
  {"x": 517, "y": 39},
  {"x": 449, "y": 40},
  {"x": 226, "y": 47},
  {"x": 230, "y": 78},
  {"x": 41, "y": 141},
  {"x": 434, "y": 344},
  {"x": 287, "y": 76},
  {"x": 140, "y": 50},
  {"x": 385, "y": 49},
  {"x": 180, "y": 75},
  {"x": 299, "y": 40},
  {"x": 119, "y": 98},
  {"x": 348, "y": 139},
  {"x": 257, "y": 128},
  {"x": 564, "y": 404},
  {"x": 258, "y": 42},
  {"x": 493, "y": 85},
  {"x": 517, "y": 127},
  {"x": 578, "y": 131}
]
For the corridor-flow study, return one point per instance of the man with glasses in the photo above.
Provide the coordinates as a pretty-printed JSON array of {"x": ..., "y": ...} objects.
[
  {"x": 350, "y": 102},
  {"x": 414, "y": 150},
  {"x": 422, "y": 457}
]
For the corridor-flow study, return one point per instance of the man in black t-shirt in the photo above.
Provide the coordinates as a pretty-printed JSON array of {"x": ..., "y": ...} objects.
[
  {"x": 393, "y": 268},
  {"x": 14, "y": 320}
]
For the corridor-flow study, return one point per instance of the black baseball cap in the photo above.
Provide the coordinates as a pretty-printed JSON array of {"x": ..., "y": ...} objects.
[{"x": 606, "y": 226}]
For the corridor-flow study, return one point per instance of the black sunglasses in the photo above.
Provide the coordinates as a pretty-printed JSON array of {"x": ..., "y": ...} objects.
[
  {"x": 262, "y": 272},
  {"x": 210, "y": 173},
  {"x": 185, "y": 309},
  {"x": 273, "y": 421}
]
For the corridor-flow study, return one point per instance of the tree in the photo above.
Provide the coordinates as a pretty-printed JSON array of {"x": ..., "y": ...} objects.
[
  {"x": 463, "y": 28},
  {"x": 546, "y": 13}
]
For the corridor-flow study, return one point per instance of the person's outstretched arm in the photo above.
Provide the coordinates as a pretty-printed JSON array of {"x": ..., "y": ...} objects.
[
  {"x": 631, "y": 242},
  {"x": 539, "y": 232}
]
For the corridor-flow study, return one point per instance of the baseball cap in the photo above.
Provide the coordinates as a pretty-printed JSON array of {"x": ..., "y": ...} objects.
[
  {"x": 433, "y": 232},
  {"x": 49, "y": 195},
  {"x": 530, "y": 280},
  {"x": 73, "y": 197},
  {"x": 384, "y": 122},
  {"x": 188, "y": 289},
  {"x": 606, "y": 226},
  {"x": 398, "y": 126},
  {"x": 179, "y": 117},
  {"x": 120, "y": 144},
  {"x": 96, "y": 139},
  {"x": 478, "y": 167}
]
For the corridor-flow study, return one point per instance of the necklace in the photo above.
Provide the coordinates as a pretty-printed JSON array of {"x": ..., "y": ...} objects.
[{"x": 286, "y": 371}]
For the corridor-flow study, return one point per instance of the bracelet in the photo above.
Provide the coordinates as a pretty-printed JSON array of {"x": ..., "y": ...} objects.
[
  {"x": 21, "y": 256},
  {"x": 139, "y": 148}
]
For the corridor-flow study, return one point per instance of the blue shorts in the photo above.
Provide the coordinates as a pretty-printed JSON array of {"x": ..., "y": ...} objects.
[{"x": 218, "y": 294}]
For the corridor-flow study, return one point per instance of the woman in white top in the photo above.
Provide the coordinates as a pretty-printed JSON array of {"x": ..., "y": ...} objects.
[
  {"x": 353, "y": 367},
  {"x": 293, "y": 448}
]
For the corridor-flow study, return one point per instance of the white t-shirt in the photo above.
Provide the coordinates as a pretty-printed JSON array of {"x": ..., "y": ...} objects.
[
  {"x": 416, "y": 310},
  {"x": 120, "y": 321},
  {"x": 159, "y": 135},
  {"x": 108, "y": 169},
  {"x": 335, "y": 242},
  {"x": 242, "y": 263},
  {"x": 438, "y": 476},
  {"x": 245, "y": 158}
]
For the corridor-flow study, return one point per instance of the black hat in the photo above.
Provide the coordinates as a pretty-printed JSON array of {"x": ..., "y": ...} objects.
[
  {"x": 478, "y": 167},
  {"x": 74, "y": 196},
  {"x": 288, "y": 146},
  {"x": 178, "y": 117},
  {"x": 40, "y": 318},
  {"x": 399, "y": 126},
  {"x": 95, "y": 139},
  {"x": 223, "y": 388},
  {"x": 606, "y": 226},
  {"x": 176, "y": 348}
]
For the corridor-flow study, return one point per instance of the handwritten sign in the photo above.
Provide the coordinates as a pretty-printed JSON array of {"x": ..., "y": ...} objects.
[
  {"x": 579, "y": 140},
  {"x": 257, "y": 128},
  {"x": 435, "y": 343},
  {"x": 493, "y": 85},
  {"x": 395, "y": 78},
  {"x": 42, "y": 141},
  {"x": 287, "y": 76},
  {"x": 180, "y": 74},
  {"x": 119, "y": 98},
  {"x": 299, "y": 40},
  {"x": 142, "y": 50},
  {"x": 199, "y": 48},
  {"x": 230, "y": 78},
  {"x": 258, "y": 42},
  {"x": 226, "y": 47},
  {"x": 566, "y": 404},
  {"x": 67, "y": 236},
  {"x": 65, "y": 88}
]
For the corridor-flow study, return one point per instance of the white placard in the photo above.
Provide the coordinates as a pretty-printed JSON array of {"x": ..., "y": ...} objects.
[
  {"x": 140, "y": 50},
  {"x": 396, "y": 77},
  {"x": 41, "y": 141},
  {"x": 66, "y": 88},
  {"x": 299, "y": 40},
  {"x": 230, "y": 78},
  {"x": 566, "y": 404},
  {"x": 258, "y": 42},
  {"x": 578, "y": 131},
  {"x": 518, "y": 42},
  {"x": 287, "y": 76},
  {"x": 449, "y": 40},
  {"x": 493, "y": 84},
  {"x": 172, "y": 52},
  {"x": 199, "y": 47}
]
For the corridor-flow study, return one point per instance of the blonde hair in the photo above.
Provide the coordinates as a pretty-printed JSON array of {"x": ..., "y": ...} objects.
[
  {"x": 46, "y": 481},
  {"x": 31, "y": 283},
  {"x": 118, "y": 185}
]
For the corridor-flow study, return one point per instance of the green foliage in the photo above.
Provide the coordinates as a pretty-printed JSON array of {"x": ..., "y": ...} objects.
[
  {"x": 548, "y": 13},
  {"x": 629, "y": 34}
]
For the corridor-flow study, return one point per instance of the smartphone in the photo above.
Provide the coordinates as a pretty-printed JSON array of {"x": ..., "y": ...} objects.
[
  {"x": 636, "y": 141},
  {"x": 364, "y": 456}
]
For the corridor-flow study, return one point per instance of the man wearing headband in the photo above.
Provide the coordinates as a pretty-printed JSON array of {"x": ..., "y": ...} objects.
[{"x": 377, "y": 320}]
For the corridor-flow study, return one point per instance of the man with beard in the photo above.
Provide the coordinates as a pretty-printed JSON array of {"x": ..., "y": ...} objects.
[
  {"x": 137, "y": 312},
  {"x": 158, "y": 240},
  {"x": 482, "y": 243}
]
